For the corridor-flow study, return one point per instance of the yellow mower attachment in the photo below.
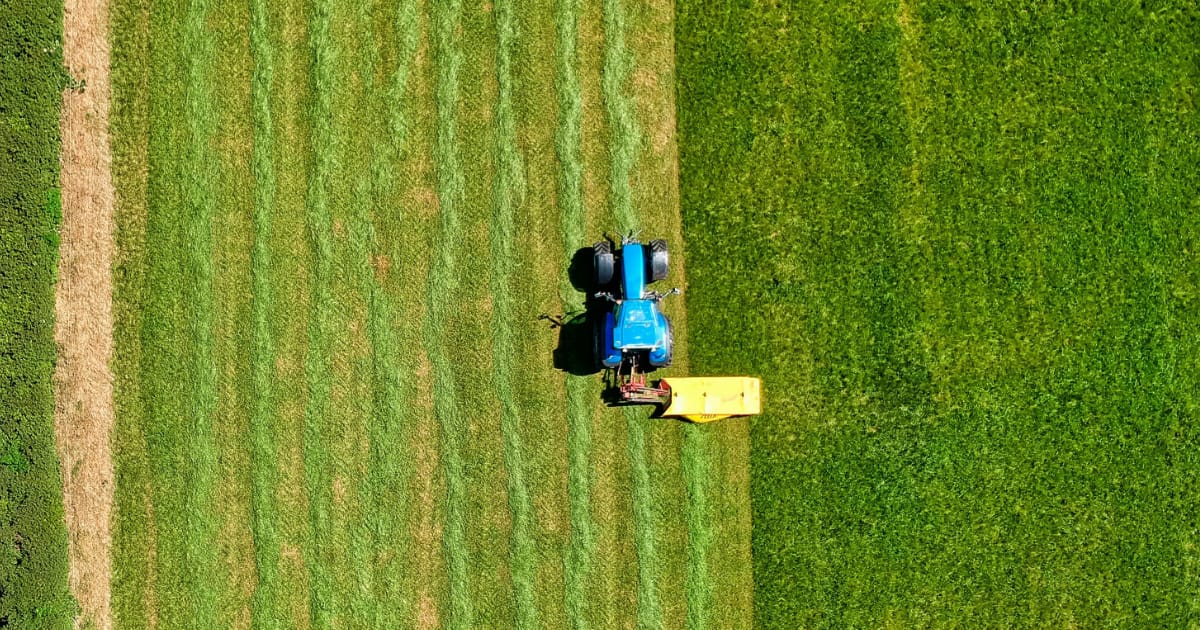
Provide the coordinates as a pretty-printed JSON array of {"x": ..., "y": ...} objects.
[{"x": 708, "y": 398}]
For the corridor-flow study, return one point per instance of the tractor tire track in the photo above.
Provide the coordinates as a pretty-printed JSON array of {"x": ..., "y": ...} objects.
[
  {"x": 578, "y": 565},
  {"x": 441, "y": 291},
  {"x": 318, "y": 360},
  {"x": 508, "y": 195},
  {"x": 623, "y": 150},
  {"x": 265, "y": 604}
]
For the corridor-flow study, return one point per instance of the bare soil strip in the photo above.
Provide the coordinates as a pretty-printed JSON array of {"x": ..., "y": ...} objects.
[{"x": 83, "y": 384}]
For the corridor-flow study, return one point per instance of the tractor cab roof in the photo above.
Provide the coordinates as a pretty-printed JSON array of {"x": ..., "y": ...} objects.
[{"x": 638, "y": 326}]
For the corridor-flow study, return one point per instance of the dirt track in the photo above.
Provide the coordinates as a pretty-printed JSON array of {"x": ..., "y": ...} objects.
[{"x": 83, "y": 310}]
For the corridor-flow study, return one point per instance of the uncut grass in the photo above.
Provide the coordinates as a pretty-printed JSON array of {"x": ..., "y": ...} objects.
[{"x": 981, "y": 415}]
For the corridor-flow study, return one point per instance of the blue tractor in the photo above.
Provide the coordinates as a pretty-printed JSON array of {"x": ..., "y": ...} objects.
[{"x": 631, "y": 329}]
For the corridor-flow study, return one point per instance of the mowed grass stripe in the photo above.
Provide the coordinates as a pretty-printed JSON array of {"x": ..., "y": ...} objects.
[
  {"x": 696, "y": 454},
  {"x": 203, "y": 577},
  {"x": 265, "y": 606},
  {"x": 233, "y": 244},
  {"x": 291, "y": 299},
  {"x": 133, "y": 579},
  {"x": 508, "y": 194},
  {"x": 387, "y": 494},
  {"x": 318, "y": 360},
  {"x": 622, "y": 121},
  {"x": 348, "y": 424},
  {"x": 578, "y": 565},
  {"x": 612, "y": 600},
  {"x": 441, "y": 291},
  {"x": 353, "y": 138},
  {"x": 681, "y": 459},
  {"x": 623, "y": 148},
  {"x": 489, "y": 522},
  {"x": 568, "y": 139}
]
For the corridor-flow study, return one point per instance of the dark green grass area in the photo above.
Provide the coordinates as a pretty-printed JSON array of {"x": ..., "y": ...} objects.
[
  {"x": 959, "y": 242},
  {"x": 33, "y": 534}
]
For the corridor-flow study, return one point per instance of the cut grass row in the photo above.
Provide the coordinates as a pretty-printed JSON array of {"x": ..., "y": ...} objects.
[
  {"x": 623, "y": 147},
  {"x": 441, "y": 290},
  {"x": 265, "y": 605},
  {"x": 568, "y": 138},
  {"x": 320, "y": 554},
  {"x": 508, "y": 197},
  {"x": 388, "y": 495}
]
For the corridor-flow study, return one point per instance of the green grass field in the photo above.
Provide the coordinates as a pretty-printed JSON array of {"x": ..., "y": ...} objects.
[
  {"x": 338, "y": 225},
  {"x": 959, "y": 242}
]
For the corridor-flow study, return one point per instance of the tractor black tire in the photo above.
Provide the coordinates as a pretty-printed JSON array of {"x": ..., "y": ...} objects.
[
  {"x": 657, "y": 261},
  {"x": 670, "y": 349},
  {"x": 603, "y": 264}
]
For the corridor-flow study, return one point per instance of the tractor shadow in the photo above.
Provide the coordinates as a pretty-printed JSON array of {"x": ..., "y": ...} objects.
[{"x": 576, "y": 352}]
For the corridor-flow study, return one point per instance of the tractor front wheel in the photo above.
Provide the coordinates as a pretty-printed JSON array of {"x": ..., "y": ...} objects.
[
  {"x": 657, "y": 260},
  {"x": 603, "y": 263}
]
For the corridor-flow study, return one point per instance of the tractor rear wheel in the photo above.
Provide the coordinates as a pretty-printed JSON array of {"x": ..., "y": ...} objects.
[
  {"x": 657, "y": 260},
  {"x": 603, "y": 263}
]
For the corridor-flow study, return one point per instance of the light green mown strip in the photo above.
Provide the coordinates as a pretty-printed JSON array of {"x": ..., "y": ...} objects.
[
  {"x": 623, "y": 154},
  {"x": 291, "y": 285},
  {"x": 623, "y": 147},
  {"x": 133, "y": 526},
  {"x": 579, "y": 565},
  {"x": 681, "y": 456},
  {"x": 317, "y": 366},
  {"x": 508, "y": 194},
  {"x": 649, "y": 606},
  {"x": 696, "y": 454},
  {"x": 202, "y": 573},
  {"x": 353, "y": 393},
  {"x": 265, "y": 608},
  {"x": 442, "y": 284},
  {"x": 567, "y": 140},
  {"x": 387, "y": 496}
]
